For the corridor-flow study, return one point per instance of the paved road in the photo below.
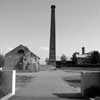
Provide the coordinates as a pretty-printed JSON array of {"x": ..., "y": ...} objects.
[{"x": 49, "y": 85}]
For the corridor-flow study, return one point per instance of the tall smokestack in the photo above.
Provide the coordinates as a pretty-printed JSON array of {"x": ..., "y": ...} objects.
[{"x": 52, "y": 48}]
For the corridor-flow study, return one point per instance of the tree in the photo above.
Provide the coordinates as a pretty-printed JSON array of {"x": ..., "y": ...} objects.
[
  {"x": 74, "y": 58},
  {"x": 63, "y": 57},
  {"x": 2, "y": 60},
  {"x": 95, "y": 57}
]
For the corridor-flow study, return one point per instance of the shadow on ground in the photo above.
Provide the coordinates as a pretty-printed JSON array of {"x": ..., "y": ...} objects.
[
  {"x": 70, "y": 96},
  {"x": 72, "y": 81}
]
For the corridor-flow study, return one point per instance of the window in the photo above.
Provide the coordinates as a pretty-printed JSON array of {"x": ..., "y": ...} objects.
[{"x": 21, "y": 51}]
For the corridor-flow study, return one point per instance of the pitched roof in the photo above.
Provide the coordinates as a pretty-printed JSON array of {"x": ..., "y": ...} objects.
[{"x": 26, "y": 50}]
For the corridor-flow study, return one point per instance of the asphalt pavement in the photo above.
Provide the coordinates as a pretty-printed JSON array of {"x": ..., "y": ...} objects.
[{"x": 49, "y": 85}]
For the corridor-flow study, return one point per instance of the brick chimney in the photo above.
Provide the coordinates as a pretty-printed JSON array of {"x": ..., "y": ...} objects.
[
  {"x": 83, "y": 50},
  {"x": 52, "y": 48}
]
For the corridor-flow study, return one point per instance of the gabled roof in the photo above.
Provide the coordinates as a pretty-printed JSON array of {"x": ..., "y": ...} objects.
[{"x": 26, "y": 50}]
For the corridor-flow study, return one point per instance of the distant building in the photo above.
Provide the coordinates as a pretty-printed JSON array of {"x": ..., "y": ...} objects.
[
  {"x": 21, "y": 59},
  {"x": 84, "y": 57},
  {"x": 88, "y": 58}
]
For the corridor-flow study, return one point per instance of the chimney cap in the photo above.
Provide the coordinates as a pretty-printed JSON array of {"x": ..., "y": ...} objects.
[{"x": 53, "y": 6}]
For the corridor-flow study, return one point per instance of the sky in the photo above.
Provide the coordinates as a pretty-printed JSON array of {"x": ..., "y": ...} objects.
[{"x": 27, "y": 22}]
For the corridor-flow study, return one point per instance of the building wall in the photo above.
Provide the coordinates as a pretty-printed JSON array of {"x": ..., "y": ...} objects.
[
  {"x": 30, "y": 62},
  {"x": 25, "y": 61},
  {"x": 90, "y": 83},
  {"x": 11, "y": 61}
]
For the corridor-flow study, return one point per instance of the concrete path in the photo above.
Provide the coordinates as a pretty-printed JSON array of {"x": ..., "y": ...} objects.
[{"x": 49, "y": 85}]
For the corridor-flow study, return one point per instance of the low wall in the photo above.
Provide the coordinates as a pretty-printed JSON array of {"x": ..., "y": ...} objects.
[
  {"x": 7, "y": 83},
  {"x": 60, "y": 64},
  {"x": 90, "y": 83}
]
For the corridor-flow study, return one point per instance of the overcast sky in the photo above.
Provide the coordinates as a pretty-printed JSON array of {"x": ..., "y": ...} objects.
[{"x": 27, "y": 22}]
